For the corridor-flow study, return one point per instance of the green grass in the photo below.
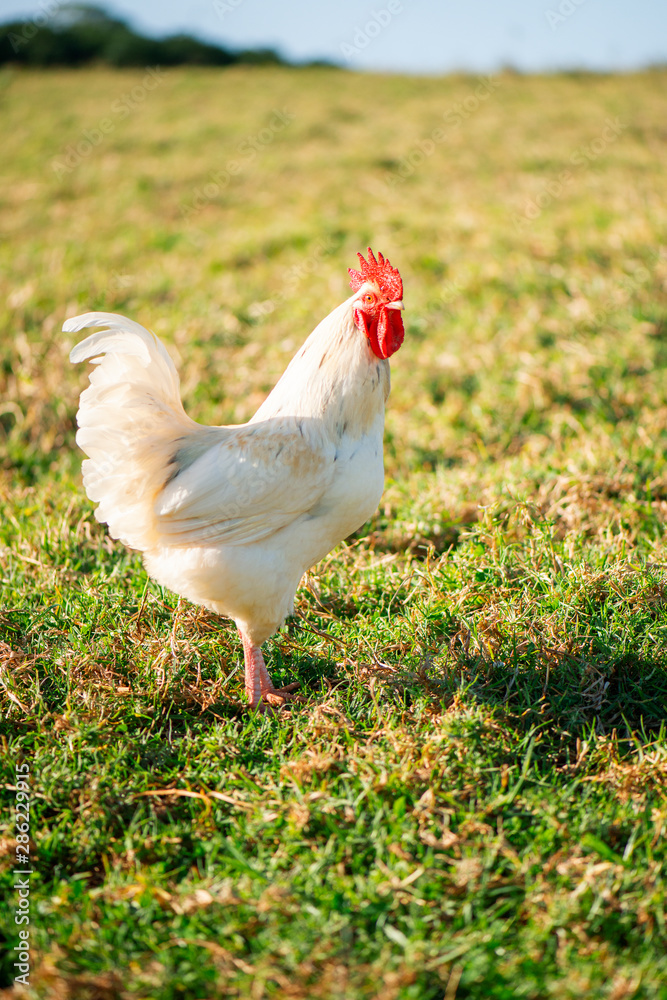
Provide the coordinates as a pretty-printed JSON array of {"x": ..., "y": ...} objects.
[{"x": 469, "y": 801}]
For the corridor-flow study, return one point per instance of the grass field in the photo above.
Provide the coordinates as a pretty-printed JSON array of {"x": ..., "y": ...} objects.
[{"x": 470, "y": 800}]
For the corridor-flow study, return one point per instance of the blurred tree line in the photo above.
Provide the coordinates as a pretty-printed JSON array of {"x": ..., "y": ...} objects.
[{"x": 75, "y": 34}]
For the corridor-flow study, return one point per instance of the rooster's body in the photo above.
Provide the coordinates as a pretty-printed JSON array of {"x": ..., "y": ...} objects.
[{"x": 231, "y": 517}]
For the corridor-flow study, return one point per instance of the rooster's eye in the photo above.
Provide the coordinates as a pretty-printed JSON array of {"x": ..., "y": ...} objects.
[{"x": 369, "y": 299}]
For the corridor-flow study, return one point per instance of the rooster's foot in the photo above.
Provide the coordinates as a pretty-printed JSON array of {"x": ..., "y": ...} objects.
[{"x": 273, "y": 699}]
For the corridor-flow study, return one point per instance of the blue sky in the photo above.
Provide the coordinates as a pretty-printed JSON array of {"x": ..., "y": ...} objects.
[{"x": 415, "y": 36}]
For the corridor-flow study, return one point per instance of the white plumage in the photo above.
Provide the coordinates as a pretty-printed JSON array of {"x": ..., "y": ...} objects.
[{"x": 231, "y": 517}]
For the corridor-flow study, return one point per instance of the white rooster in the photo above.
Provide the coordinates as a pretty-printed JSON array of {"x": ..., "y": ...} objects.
[{"x": 232, "y": 517}]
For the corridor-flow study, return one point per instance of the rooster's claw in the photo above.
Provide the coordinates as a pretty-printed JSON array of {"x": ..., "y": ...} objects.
[{"x": 275, "y": 698}]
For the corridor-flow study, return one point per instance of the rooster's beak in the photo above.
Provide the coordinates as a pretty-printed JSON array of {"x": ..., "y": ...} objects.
[{"x": 398, "y": 304}]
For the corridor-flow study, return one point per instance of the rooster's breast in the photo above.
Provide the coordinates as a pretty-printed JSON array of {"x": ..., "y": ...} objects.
[{"x": 352, "y": 497}]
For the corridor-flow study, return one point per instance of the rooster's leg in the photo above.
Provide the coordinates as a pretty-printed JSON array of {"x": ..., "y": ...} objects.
[{"x": 258, "y": 685}]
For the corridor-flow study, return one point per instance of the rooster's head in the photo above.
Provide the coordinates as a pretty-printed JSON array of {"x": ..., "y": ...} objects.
[{"x": 378, "y": 303}]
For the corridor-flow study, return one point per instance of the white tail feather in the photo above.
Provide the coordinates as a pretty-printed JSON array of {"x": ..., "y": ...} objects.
[{"x": 130, "y": 422}]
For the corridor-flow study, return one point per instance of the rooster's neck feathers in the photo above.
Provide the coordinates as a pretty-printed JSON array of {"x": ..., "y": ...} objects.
[{"x": 334, "y": 377}]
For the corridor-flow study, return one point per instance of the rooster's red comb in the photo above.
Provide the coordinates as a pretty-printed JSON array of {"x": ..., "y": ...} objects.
[{"x": 381, "y": 273}]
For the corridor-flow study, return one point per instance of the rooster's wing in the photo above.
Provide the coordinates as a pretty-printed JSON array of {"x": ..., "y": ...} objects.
[{"x": 236, "y": 485}]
